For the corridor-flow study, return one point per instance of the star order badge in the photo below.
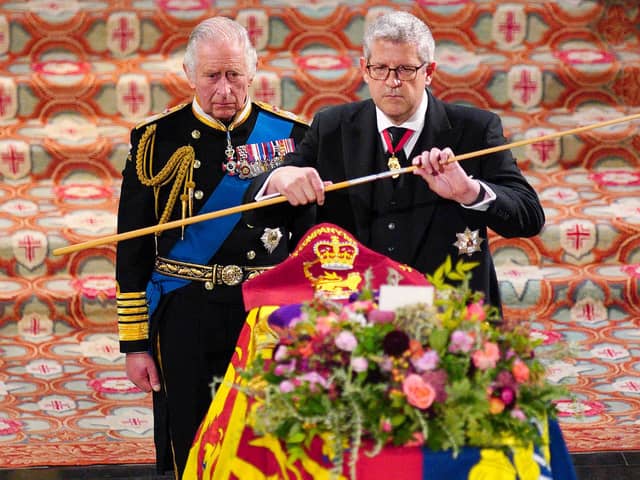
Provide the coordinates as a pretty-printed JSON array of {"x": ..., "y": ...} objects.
[
  {"x": 271, "y": 238},
  {"x": 468, "y": 242}
]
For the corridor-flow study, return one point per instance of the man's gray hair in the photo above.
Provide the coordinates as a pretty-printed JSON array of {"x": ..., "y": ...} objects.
[
  {"x": 217, "y": 29},
  {"x": 401, "y": 27}
]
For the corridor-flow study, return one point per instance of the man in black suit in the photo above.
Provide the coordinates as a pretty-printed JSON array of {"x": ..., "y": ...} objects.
[{"x": 444, "y": 209}]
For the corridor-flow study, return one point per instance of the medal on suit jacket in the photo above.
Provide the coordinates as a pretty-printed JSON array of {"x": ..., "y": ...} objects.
[
  {"x": 468, "y": 242},
  {"x": 393, "y": 163}
]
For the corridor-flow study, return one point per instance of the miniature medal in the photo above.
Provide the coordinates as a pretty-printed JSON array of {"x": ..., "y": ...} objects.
[
  {"x": 271, "y": 238},
  {"x": 229, "y": 153},
  {"x": 468, "y": 242}
]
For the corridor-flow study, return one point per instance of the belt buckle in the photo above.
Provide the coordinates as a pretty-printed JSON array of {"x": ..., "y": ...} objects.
[{"x": 231, "y": 275}]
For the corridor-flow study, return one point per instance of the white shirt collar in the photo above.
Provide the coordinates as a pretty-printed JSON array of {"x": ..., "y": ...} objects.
[{"x": 415, "y": 123}]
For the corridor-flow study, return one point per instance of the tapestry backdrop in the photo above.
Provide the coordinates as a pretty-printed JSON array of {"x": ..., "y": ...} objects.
[{"x": 77, "y": 75}]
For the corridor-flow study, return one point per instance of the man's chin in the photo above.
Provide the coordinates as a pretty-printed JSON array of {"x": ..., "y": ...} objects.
[{"x": 223, "y": 114}]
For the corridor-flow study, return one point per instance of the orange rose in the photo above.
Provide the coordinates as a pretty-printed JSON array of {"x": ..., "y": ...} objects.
[
  {"x": 419, "y": 393},
  {"x": 520, "y": 371},
  {"x": 496, "y": 405}
]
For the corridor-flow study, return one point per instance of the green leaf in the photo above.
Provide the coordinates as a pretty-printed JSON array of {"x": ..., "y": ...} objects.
[{"x": 438, "y": 339}]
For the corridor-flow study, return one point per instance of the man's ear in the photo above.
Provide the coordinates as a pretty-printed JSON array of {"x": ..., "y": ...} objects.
[
  {"x": 428, "y": 71},
  {"x": 363, "y": 69},
  {"x": 187, "y": 74}
]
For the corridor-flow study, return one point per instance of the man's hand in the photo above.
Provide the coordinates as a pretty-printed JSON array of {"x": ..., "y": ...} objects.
[
  {"x": 448, "y": 180},
  {"x": 300, "y": 185},
  {"x": 142, "y": 371}
]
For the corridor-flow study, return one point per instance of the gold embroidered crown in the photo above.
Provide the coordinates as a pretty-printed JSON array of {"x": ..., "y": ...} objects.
[{"x": 336, "y": 255}]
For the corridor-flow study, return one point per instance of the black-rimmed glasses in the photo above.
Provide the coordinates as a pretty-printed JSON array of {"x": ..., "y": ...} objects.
[{"x": 403, "y": 72}]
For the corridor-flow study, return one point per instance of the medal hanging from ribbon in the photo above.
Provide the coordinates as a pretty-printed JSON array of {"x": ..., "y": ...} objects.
[
  {"x": 394, "y": 147},
  {"x": 230, "y": 164}
]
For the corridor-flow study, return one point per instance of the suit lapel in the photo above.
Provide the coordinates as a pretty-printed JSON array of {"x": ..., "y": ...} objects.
[
  {"x": 360, "y": 153},
  {"x": 437, "y": 132}
]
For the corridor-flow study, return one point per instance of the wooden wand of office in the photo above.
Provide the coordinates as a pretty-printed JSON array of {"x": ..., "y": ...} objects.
[{"x": 329, "y": 188}]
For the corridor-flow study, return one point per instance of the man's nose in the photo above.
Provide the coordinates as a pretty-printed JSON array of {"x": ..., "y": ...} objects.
[
  {"x": 393, "y": 80},
  {"x": 223, "y": 86}
]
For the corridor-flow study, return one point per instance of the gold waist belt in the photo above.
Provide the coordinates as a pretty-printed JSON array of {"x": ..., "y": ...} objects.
[{"x": 229, "y": 275}]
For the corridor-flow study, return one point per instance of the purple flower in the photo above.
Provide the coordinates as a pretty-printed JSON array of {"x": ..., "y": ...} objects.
[
  {"x": 359, "y": 364},
  {"x": 428, "y": 361},
  {"x": 281, "y": 353},
  {"x": 283, "y": 316},
  {"x": 287, "y": 386},
  {"x": 461, "y": 341},
  {"x": 346, "y": 341},
  {"x": 438, "y": 380},
  {"x": 395, "y": 343},
  {"x": 314, "y": 378},
  {"x": 519, "y": 414},
  {"x": 507, "y": 395},
  {"x": 285, "y": 368},
  {"x": 505, "y": 379},
  {"x": 386, "y": 364}
]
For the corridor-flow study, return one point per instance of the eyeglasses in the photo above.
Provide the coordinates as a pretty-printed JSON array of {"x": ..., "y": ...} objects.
[{"x": 403, "y": 72}]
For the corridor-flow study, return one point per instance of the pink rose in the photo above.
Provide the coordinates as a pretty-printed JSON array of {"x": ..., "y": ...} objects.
[
  {"x": 386, "y": 426},
  {"x": 359, "y": 364},
  {"x": 487, "y": 357},
  {"x": 324, "y": 323},
  {"x": 475, "y": 312},
  {"x": 418, "y": 392}
]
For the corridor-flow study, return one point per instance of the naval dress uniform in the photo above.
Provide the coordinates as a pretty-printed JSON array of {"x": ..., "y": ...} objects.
[{"x": 179, "y": 291}]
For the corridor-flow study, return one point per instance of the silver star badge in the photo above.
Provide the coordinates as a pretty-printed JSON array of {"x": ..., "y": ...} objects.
[
  {"x": 468, "y": 242},
  {"x": 271, "y": 238}
]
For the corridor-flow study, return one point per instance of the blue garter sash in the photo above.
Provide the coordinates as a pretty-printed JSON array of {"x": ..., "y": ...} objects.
[{"x": 203, "y": 239}]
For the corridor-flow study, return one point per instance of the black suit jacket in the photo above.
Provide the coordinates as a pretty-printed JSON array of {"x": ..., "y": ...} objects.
[{"x": 343, "y": 143}]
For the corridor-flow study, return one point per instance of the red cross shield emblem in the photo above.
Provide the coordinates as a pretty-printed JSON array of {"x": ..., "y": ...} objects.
[
  {"x": 15, "y": 159},
  {"x": 257, "y": 24},
  {"x": 266, "y": 88},
  {"x": 509, "y": 25},
  {"x": 123, "y": 33},
  {"x": 577, "y": 237},
  {"x": 8, "y": 98},
  {"x": 29, "y": 247},
  {"x": 133, "y": 97},
  {"x": 543, "y": 154},
  {"x": 524, "y": 84}
]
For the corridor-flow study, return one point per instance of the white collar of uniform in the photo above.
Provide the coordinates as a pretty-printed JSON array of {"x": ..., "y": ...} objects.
[{"x": 240, "y": 117}]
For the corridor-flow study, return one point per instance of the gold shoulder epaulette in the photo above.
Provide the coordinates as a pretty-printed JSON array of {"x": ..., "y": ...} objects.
[
  {"x": 157, "y": 116},
  {"x": 281, "y": 113}
]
